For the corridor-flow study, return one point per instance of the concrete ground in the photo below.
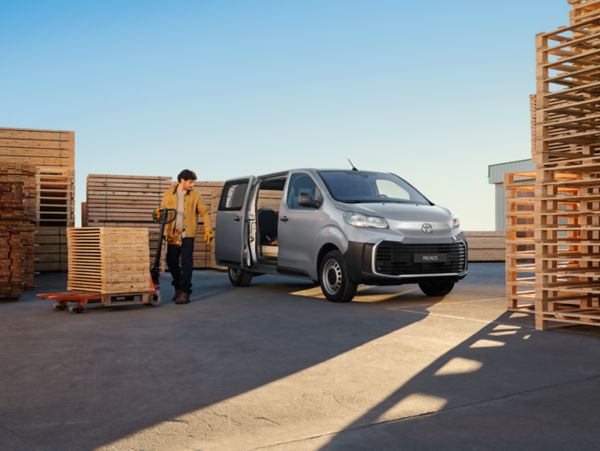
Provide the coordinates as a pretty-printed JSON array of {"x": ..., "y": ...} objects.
[{"x": 275, "y": 366}]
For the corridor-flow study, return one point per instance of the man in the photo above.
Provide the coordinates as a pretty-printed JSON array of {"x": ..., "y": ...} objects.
[{"x": 180, "y": 233}]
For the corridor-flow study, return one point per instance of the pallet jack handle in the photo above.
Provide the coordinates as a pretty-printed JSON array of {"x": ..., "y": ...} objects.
[{"x": 163, "y": 217}]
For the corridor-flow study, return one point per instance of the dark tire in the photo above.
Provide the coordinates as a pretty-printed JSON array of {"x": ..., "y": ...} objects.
[
  {"x": 238, "y": 277},
  {"x": 436, "y": 289},
  {"x": 334, "y": 278}
]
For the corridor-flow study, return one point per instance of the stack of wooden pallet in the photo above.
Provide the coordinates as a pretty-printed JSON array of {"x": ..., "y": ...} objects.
[
  {"x": 108, "y": 260},
  {"x": 520, "y": 241},
  {"x": 567, "y": 155},
  {"x": 51, "y": 155}
]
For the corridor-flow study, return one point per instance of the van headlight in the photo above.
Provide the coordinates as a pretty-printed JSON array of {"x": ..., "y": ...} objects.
[
  {"x": 455, "y": 223},
  {"x": 361, "y": 220}
]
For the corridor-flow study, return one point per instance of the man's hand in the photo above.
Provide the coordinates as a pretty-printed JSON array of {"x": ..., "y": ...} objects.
[
  {"x": 208, "y": 236},
  {"x": 156, "y": 214}
]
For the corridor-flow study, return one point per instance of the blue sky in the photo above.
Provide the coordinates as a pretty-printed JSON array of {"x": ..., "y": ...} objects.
[{"x": 434, "y": 91}]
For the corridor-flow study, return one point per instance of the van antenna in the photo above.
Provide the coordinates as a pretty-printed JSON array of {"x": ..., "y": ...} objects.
[{"x": 353, "y": 168}]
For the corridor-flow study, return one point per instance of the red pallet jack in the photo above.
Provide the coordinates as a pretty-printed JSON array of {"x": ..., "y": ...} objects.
[{"x": 151, "y": 297}]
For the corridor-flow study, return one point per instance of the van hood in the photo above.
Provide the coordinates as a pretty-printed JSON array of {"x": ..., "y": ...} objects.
[
  {"x": 403, "y": 212},
  {"x": 411, "y": 220}
]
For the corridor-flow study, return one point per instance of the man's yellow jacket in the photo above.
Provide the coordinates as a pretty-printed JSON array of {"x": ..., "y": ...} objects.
[{"x": 192, "y": 206}]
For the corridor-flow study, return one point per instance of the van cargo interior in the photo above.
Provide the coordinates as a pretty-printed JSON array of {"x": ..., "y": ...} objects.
[{"x": 267, "y": 218}]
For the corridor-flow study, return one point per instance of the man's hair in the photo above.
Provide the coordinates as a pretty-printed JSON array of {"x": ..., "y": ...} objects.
[{"x": 186, "y": 174}]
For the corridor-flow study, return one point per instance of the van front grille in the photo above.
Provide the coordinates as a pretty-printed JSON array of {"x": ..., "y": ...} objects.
[{"x": 397, "y": 259}]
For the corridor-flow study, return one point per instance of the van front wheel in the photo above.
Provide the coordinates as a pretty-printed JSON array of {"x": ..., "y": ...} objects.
[
  {"x": 238, "y": 277},
  {"x": 334, "y": 278},
  {"x": 436, "y": 289}
]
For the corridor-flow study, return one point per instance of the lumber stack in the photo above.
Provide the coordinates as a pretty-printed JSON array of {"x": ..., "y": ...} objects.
[
  {"x": 125, "y": 201},
  {"x": 18, "y": 218},
  {"x": 128, "y": 201},
  {"x": 204, "y": 253},
  {"x": 17, "y": 238},
  {"x": 108, "y": 260},
  {"x": 46, "y": 158},
  {"x": 485, "y": 246},
  {"x": 520, "y": 241},
  {"x": 567, "y": 156}
]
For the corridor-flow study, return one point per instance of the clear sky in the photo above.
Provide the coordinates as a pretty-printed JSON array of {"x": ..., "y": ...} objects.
[{"x": 434, "y": 90}]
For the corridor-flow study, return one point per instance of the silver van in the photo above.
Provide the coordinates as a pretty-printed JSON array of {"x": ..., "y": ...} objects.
[{"x": 339, "y": 228}]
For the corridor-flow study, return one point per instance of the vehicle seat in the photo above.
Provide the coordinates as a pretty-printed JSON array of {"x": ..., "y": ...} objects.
[{"x": 267, "y": 225}]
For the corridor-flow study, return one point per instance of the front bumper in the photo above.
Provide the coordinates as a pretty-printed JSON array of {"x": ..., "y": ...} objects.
[{"x": 394, "y": 263}]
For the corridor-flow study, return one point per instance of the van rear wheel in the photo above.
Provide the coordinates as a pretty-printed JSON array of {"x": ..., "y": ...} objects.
[
  {"x": 238, "y": 277},
  {"x": 437, "y": 288},
  {"x": 334, "y": 278}
]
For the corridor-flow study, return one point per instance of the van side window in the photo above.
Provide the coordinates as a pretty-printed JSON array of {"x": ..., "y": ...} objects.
[
  {"x": 301, "y": 184},
  {"x": 232, "y": 197}
]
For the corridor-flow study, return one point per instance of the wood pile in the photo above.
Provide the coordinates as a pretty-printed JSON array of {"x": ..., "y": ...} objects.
[
  {"x": 17, "y": 218},
  {"x": 567, "y": 156},
  {"x": 17, "y": 236},
  {"x": 128, "y": 201},
  {"x": 485, "y": 246},
  {"x": 108, "y": 260},
  {"x": 45, "y": 159}
]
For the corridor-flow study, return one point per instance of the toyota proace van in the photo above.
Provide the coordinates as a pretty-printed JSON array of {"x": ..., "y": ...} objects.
[{"x": 339, "y": 228}]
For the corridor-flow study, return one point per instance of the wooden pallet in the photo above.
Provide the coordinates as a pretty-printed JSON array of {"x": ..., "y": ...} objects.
[{"x": 108, "y": 260}]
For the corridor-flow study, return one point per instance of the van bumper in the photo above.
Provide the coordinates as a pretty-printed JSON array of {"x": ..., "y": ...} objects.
[{"x": 363, "y": 258}]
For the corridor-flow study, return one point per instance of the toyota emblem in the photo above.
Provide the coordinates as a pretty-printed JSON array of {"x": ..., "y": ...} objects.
[{"x": 427, "y": 228}]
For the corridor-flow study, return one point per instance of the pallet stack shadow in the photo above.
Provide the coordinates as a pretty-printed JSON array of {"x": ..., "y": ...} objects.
[
  {"x": 17, "y": 234},
  {"x": 51, "y": 155},
  {"x": 108, "y": 260},
  {"x": 567, "y": 156}
]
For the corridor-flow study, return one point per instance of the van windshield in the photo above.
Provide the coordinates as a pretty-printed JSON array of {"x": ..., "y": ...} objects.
[{"x": 370, "y": 187}]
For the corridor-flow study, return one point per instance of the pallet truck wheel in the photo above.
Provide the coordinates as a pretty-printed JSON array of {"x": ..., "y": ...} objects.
[
  {"x": 75, "y": 309},
  {"x": 155, "y": 298},
  {"x": 58, "y": 307}
]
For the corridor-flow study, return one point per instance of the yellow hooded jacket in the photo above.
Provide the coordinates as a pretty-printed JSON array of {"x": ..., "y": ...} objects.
[{"x": 192, "y": 205}]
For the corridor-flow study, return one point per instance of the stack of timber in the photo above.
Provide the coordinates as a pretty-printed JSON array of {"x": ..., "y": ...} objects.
[
  {"x": 567, "y": 156},
  {"x": 485, "y": 246},
  {"x": 125, "y": 201},
  {"x": 52, "y": 155},
  {"x": 18, "y": 210},
  {"x": 128, "y": 201},
  {"x": 520, "y": 241},
  {"x": 204, "y": 253},
  {"x": 108, "y": 260},
  {"x": 17, "y": 238}
]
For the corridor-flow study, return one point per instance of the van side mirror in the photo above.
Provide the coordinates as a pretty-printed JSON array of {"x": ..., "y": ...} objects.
[{"x": 306, "y": 200}]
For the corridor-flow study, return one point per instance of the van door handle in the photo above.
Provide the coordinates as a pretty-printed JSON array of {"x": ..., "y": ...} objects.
[
  {"x": 236, "y": 218},
  {"x": 284, "y": 219}
]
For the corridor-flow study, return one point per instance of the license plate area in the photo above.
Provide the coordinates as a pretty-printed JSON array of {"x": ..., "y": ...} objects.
[{"x": 430, "y": 258}]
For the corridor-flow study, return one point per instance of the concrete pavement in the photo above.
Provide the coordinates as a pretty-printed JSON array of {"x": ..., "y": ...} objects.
[{"x": 275, "y": 366}]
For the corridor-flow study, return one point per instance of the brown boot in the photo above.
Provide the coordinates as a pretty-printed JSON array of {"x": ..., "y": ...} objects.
[
  {"x": 176, "y": 295},
  {"x": 182, "y": 298}
]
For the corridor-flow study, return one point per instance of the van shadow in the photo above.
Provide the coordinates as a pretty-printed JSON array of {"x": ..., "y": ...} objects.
[
  {"x": 97, "y": 378},
  {"x": 475, "y": 383}
]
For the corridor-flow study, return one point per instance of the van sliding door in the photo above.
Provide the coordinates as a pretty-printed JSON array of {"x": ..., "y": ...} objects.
[{"x": 230, "y": 237}]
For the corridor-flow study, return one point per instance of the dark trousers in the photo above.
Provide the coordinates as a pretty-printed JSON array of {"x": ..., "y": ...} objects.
[{"x": 182, "y": 274}]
